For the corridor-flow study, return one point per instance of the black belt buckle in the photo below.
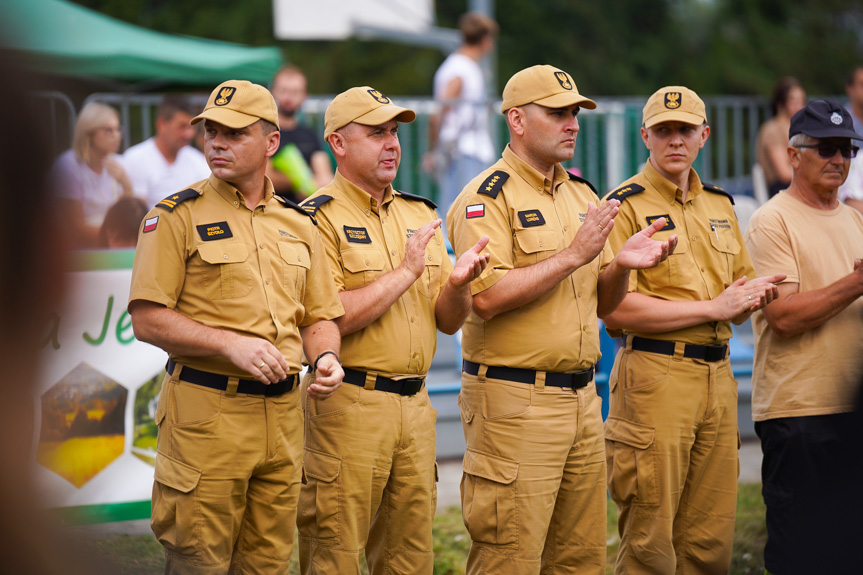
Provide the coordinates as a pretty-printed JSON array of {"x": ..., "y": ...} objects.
[
  {"x": 714, "y": 352},
  {"x": 411, "y": 385}
]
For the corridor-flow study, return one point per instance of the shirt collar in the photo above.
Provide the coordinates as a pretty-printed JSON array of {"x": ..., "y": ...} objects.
[
  {"x": 669, "y": 191},
  {"x": 233, "y": 196},
  {"x": 531, "y": 175},
  {"x": 361, "y": 198}
]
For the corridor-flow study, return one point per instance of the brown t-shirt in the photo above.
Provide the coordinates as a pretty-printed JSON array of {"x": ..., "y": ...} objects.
[
  {"x": 529, "y": 220},
  {"x": 258, "y": 272},
  {"x": 817, "y": 372}
]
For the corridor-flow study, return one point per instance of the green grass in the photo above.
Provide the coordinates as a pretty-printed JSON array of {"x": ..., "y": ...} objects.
[{"x": 142, "y": 555}]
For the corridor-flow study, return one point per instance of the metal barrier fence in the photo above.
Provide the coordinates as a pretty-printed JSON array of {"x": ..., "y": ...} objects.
[{"x": 609, "y": 148}]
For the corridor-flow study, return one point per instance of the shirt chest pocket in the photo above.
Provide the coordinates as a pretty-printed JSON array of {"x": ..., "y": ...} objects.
[
  {"x": 725, "y": 246},
  {"x": 429, "y": 283},
  {"x": 532, "y": 246},
  {"x": 362, "y": 266},
  {"x": 295, "y": 265},
  {"x": 226, "y": 270}
]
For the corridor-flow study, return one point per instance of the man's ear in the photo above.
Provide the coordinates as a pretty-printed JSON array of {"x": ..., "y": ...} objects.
[{"x": 515, "y": 117}]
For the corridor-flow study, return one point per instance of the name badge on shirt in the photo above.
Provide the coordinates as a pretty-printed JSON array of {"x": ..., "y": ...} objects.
[
  {"x": 530, "y": 218},
  {"x": 669, "y": 225},
  {"x": 214, "y": 231},
  {"x": 357, "y": 235}
]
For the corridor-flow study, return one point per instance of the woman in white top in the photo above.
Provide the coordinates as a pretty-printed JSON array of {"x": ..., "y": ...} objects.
[{"x": 88, "y": 178}]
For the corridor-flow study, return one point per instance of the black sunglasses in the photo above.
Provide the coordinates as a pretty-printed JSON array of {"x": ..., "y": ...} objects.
[{"x": 827, "y": 151}]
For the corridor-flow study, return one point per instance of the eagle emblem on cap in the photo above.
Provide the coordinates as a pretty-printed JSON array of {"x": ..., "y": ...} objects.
[
  {"x": 672, "y": 100},
  {"x": 836, "y": 118},
  {"x": 225, "y": 95},
  {"x": 563, "y": 80},
  {"x": 379, "y": 97}
]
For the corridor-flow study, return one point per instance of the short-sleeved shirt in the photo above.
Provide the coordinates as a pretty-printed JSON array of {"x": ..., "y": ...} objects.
[
  {"x": 153, "y": 177},
  {"x": 710, "y": 253},
  {"x": 257, "y": 272},
  {"x": 365, "y": 241},
  {"x": 529, "y": 219},
  {"x": 74, "y": 180},
  {"x": 819, "y": 371}
]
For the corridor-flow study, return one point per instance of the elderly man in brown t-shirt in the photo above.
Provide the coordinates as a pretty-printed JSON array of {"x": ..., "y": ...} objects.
[
  {"x": 225, "y": 273},
  {"x": 809, "y": 353}
]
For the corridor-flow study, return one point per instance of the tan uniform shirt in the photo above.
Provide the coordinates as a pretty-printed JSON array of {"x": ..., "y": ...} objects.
[
  {"x": 709, "y": 256},
  {"x": 363, "y": 242},
  {"x": 529, "y": 220},
  {"x": 258, "y": 272},
  {"x": 819, "y": 371}
]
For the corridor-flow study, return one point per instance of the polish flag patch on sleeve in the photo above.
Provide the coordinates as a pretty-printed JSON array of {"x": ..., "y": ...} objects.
[
  {"x": 150, "y": 224},
  {"x": 475, "y": 211}
]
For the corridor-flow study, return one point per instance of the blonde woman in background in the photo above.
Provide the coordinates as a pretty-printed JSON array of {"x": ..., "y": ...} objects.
[{"x": 88, "y": 178}]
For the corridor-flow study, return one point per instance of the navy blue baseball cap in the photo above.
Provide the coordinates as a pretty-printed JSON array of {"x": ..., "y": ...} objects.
[{"x": 823, "y": 119}]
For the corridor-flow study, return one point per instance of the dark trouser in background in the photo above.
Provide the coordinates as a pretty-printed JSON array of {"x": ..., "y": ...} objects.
[{"x": 812, "y": 475}]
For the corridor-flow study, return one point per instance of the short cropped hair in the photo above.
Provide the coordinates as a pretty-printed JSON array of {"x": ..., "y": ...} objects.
[
  {"x": 172, "y": 104},
  {"x": 798, "y": 140},
  {"x": 475, "y": 27}
]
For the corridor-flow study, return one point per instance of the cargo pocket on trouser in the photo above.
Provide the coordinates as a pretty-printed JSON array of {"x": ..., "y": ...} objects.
[
  {"x": 318, "y": 516},
  {"x": 173, "y": 514},
  {"x": 489, "y": 498},
  {"x": 631, "y": 457}
]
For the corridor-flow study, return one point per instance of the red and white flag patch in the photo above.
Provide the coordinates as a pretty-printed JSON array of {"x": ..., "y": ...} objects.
[
  {"x": 475, "y": 211},
  {"x": 150, "y": 224}
]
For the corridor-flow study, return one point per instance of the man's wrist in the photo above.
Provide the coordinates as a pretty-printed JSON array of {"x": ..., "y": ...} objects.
[{"x": 328, "y": 352}]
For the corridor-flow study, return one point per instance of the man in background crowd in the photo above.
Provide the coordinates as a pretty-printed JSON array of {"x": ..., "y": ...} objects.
[
  {"x": 809, "y": 353},
  {"x": 460, "y": 144},
  {"x": 300, "y": 166},
  {"x": 166, "y": 162}
]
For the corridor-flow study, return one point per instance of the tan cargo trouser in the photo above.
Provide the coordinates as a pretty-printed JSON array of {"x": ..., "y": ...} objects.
[
  {"x": 227, "y": 479},
  {"x": 369, "y": 483},
  {"x": 533, "y": 489},
  {"x": 671, "y": 443}
]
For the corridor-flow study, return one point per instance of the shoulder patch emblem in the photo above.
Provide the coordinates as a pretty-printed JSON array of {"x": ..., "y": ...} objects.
[
  {"x": 289, "y": 204},
  {"x": 357, "y": 235},
  {"x": 669, "y": 225},
  {"x": 531, "y": 218},
  {"x": 492, "y": 184},
  {"x": 174, "y": 200},
  {"x": 583, "y": 181},
  {"x": 214, "y": 231},
  {"x": 311, "y": 205},
  {"x": 150, "y": 224},
  {"x": 417, "y": 198},
  {"x": 621, "y": 194},
  {"x": 474, "y": 211},
  {"x": 717, "y": 190}
]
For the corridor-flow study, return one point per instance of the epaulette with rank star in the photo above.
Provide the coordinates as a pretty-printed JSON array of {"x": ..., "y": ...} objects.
[
  {"x": 491, "y": 185},
  {"x": 174, "y": 200},
  {"x": 417, "y": 198},
  {"x": 583, "y": 181},
  {"x": 717, "y": 190},
  {"x": 289, "y": 204},
  {"x": 311, "y": 205},
  {"x": 624, "y": 192}
]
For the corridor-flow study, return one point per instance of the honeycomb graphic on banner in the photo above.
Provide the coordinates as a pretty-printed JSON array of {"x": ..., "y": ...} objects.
[{"x": 83, "y": 424}]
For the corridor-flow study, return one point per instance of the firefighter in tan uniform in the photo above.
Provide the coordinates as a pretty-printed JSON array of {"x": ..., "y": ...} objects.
[
  {"x": 671, "y": 434},
  {"x": 225, "y": 272},
  {"x": 533, "y": 489},
  {"x": 370, "y": 471}
]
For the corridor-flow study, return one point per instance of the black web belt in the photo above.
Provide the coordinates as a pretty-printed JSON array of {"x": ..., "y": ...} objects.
[
  {"x": 408, "y": 386},
  {"x": 703, "y": 352},
  {"x": 554, "y": 379},
  {"x": 220, "y": 382}
]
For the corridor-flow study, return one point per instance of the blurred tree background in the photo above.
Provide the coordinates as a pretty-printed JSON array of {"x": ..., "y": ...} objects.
[{"x": 611, "y": 47}]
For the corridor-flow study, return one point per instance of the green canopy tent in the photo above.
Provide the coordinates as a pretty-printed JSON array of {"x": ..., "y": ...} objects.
[{"x": 61, "y": 38}]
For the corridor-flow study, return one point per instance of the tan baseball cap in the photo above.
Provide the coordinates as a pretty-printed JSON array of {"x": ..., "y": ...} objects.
[
  {"x": 363, "y": 105},
  {"x": 238, "y": 103},
  {"x": 674, "y": 104},
  {"x": 544, "y": 85}
]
